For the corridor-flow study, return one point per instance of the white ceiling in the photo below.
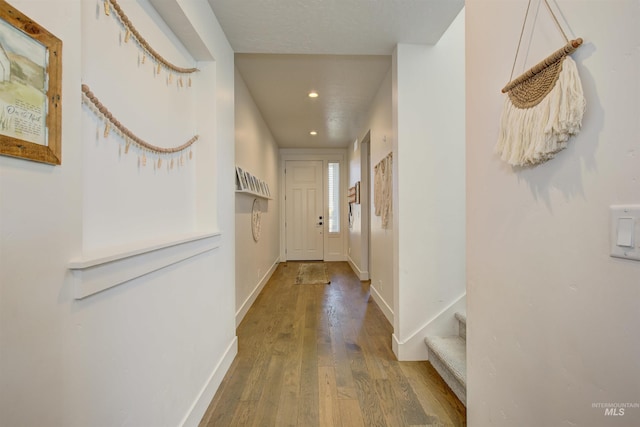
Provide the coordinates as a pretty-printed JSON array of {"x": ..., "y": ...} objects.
[
  {"x": 342, "y": 27},
  {"x": 341, "y": 48},
  {"x": 280, "y": 84}
]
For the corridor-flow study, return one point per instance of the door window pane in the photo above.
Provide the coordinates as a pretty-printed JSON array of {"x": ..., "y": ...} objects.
[{"x": 334, "y": 198}]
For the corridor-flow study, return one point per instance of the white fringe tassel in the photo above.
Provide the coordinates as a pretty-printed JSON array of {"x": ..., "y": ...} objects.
[{"x": 529, "y": 136}]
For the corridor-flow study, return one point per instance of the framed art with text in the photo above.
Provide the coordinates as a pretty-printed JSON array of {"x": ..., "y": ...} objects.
[{"x": 30, "y": 89}]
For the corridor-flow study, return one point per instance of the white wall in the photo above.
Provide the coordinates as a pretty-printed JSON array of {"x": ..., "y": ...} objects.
[
  {"x": 552, "y": 319},
  {"x": 256, "y": 152},
  {"x": 429, "y": 201},
  {"x": 354, "y": 251},
  {"x": 153, "y": 350},
  {"x": 123, "y": 200},
  {"x": 381, "y": 243},
  {"x": 380, "y": 269}
]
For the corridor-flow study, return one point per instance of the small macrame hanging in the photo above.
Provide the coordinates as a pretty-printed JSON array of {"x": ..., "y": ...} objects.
[{"x": 544, "y": 106}]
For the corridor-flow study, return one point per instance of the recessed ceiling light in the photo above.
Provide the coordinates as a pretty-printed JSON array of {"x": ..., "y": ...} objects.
[
  {"x": 313, "y": 132},
  {"x": 313, "y": 94}
]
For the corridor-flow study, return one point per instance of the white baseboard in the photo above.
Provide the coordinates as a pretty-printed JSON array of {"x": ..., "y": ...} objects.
[
  {"x": 444, "y": 323},
  {"x": 382, "y": 304},
  {"x": 395, "y": 345},
  {"x": 362, "y": 275},
  {"x": 200, "y": 405},
  {"x": 246, "y": 305}
]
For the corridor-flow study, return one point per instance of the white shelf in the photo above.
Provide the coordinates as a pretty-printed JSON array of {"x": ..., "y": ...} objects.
[
  {"x": 251, "y": 193},
  {"x": 245, "y": 181},
  {"x": 109, "y": 267}
]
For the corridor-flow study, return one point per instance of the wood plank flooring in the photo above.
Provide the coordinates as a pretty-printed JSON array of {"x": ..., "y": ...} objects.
[{"x": 320, "y": 355}]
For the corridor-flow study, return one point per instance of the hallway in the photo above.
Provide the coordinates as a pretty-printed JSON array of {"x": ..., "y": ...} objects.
[{"x": 320, "y": 355}]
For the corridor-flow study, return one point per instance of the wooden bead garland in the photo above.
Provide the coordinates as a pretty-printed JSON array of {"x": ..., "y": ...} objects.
[{"x": 130, "y": 137}]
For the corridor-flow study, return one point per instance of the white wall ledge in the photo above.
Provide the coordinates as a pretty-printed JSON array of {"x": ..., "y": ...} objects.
[
  {"x": 253, "y": 193},
  {"x": 105, "y": 268}
]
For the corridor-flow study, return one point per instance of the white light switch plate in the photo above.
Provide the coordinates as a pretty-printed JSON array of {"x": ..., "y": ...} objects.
[{"x": 625, "y": 231}]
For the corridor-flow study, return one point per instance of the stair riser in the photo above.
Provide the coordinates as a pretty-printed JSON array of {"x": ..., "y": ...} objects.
[
  {"x": 462, "y": 325},
  {"x": 462, "y": 330},
  {"x": 454, "y": 384}
]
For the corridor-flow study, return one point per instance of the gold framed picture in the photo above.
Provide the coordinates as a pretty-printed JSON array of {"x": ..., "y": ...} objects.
[{"x": 30, "y": 89}]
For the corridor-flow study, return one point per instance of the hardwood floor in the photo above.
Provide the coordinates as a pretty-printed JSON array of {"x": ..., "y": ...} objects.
[{"x": 320, "y": 355}]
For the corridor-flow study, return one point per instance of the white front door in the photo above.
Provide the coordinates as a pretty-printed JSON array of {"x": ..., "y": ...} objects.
[{"x": 304, "y": 216}]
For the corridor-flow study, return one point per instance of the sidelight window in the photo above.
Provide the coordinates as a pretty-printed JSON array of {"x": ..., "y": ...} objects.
[{"x": 334, "y": 197}]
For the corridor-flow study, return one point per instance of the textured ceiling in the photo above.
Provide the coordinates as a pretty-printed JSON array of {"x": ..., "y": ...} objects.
[
  {"x": 343, "y": 27},
  {"x": 341, "y": 48},
  {"x": 280, "y": 84}
]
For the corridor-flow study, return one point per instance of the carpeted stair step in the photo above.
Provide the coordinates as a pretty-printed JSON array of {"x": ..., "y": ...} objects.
[{"x": 448, "y": 355}]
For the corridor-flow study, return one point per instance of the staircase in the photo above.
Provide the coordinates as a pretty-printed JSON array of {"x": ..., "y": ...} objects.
[{"x": 448, "y": 355}]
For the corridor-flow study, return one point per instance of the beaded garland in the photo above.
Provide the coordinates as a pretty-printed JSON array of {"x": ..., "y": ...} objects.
[
  {"x": 146, "y": 48},
  {"x": 130, "y": 138}
]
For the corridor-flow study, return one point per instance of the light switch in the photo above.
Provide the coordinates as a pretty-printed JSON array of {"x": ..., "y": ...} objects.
[{"x": 625, "y": 232}]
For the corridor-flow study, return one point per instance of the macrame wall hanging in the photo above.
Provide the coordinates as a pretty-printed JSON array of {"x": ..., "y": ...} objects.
[
  {"x": 382, "y": 189},
  {"x": 543, "y": 107}
]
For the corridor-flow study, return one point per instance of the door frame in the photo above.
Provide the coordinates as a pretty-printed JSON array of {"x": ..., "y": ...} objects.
[
  {"x": 335, "y": 239},
  {"x": 365, "y": 203}
]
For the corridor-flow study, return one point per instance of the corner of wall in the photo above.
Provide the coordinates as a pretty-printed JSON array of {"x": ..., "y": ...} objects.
[
  {"x": 382, "y": 304},
  {"x": 246, "y": 305},
  {"x": 362, "y": 275},
  {"x": 442, "y": 324},
  {"x": 201, "y": 403}
]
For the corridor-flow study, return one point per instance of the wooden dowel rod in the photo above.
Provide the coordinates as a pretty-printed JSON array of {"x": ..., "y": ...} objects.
[{"x": 554, "y": 57}]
